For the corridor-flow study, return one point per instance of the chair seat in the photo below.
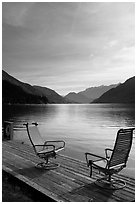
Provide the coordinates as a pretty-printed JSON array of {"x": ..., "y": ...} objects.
[
  {"x": 101, "y": 163},
  {"x": 44, "y": 151}
]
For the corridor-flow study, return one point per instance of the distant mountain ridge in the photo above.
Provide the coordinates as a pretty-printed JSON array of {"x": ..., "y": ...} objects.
[
  {"x": 124, "y": 93},
  {"x": 88, "y": 94},
  {"x": 17, "y": 92},
  {"x": 95, "y": 92},
  {"x": 76, "y": 98}
]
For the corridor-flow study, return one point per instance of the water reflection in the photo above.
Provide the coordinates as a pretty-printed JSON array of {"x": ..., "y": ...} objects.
[
  {"x": 23, "y": 113},
  {"x": 108, "y": 114}
]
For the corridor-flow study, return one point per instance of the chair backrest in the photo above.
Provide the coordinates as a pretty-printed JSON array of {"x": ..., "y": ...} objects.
[
  {"x": 35, "y": 137},
  {"x": 122, "y": 148}
]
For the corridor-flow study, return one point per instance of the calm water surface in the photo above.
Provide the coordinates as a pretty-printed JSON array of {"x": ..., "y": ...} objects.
[{"x": 85, "y": 128}]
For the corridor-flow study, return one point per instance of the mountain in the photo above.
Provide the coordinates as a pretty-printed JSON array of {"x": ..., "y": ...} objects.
[
  {"x": 124, "y": 93},
  {"x": 52, "y": 96},
  {"x": 89, "y": 94},
  {"x": 76, "y": 98},
  {"x": 95, "y": 92},
  {"x": 15, "y": 91},
  {"x": 24, "y": 86}
]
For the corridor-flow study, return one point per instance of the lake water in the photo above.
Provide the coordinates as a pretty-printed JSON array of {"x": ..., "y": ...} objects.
[{"x": 84, "y": 128}]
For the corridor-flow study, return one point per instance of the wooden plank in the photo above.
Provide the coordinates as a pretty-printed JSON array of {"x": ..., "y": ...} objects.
[
  {"x": 68, "y": 177},
  {"x": 42, "y": 180},
  {"x": 58, "y": 178},
  {"x": 69, "y": 182},
  {"x": 72, "y": 170},
  {"x": 65, "y": 162},
  {"x": 63, "y": 157},
  {"x": 91, "y": 193},
  {"x": 33, "y": 185}
]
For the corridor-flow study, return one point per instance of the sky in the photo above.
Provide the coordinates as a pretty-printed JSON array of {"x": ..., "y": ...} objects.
[{"x": 69, "y": 46}]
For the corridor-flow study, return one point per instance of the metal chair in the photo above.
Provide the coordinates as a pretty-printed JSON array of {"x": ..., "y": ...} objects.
[
  {"x": 44, "y": 149},
  {"x": 114, "y": 161}
]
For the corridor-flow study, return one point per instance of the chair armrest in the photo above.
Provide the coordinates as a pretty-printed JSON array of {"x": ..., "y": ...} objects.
[
  {"x": 90, "y": 154},
  {"x": 106, "y": 152},
  {"x": 56, "y": 141},
  {"x": 46, "y": 146}
]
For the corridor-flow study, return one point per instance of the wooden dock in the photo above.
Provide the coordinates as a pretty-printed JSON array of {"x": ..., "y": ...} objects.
[{"x": 68, "y": 183}]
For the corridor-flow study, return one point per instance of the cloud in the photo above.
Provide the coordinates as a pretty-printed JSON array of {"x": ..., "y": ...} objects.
[
  {"x": 125, "y": 57},
  {"x": 67, "y": 40},
  {"x": 15, "y": 13}
]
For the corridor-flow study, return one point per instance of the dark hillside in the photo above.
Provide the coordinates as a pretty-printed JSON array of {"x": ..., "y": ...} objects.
[
  {"x": 13, "y": 94},
  {"x": 15, "y": 91},
  {"x": 52, "y": 96}
]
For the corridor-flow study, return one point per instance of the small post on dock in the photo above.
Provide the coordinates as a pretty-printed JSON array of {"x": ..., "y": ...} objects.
[{"x": 8, "y": 130}]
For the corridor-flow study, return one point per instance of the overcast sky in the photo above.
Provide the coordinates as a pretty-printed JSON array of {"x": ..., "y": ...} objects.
[{"x": 68, "y": 46}]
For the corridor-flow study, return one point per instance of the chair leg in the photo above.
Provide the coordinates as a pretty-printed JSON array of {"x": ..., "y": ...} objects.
[
  {"x": 109, "y": 178},
  {"x": 108, "y": 183},
  {"x": 47, "y": 165},
  {"x": 90, "y": 171}
]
